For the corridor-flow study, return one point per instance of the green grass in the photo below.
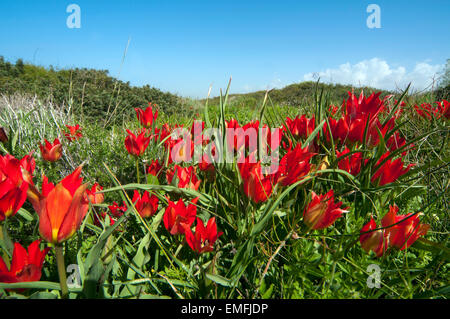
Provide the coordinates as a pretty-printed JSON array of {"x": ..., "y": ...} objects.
[{"x": 266, "y": 250}]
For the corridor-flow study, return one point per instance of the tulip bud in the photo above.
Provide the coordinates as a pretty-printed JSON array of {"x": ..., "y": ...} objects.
[
  {"x": 375, "y": 241},
  {"x": 51, "y": 152}
]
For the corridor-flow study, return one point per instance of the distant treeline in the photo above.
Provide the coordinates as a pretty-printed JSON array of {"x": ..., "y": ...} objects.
[{"x": 89, "y": 93}]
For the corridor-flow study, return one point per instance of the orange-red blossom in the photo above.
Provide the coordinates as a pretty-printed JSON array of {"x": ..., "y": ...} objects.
[
  {"x": 179, "y": 217},
  {"x": 26, "y": 265},
  {"x": 146, "y": 205},
  {"x": 15, "y": 178},
  {"x": 146, "y": 117},
  {"x": 322, "y": 211},
  {"x": 51, "y": 152},
  {"x": 399, "y": 231},
  {"x": 204, "y": 237},
  {"x": 61, "y": 208},
  {"x": 136, "y": 145}
]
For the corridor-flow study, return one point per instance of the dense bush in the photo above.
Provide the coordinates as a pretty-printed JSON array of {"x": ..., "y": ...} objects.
[{"x": 87, "y": 93}]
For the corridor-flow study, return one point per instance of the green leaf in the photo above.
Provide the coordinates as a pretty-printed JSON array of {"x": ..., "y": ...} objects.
[
  {"x": 142, "y": 256},
  {"x": 25, "y": 214},
  {"x": 314, "y": 133},
  {"x": 31, "y": 285},
  {"x": 14, "y": 141},
  {"x": 152, "y": 179},
  {"x": 206, "y": 113},
  {"x": 150, "y": 296},
  {"x": 268, "y": 293},
  {"x": 5, "y": 241},
  {"x": 93, "y": 266},
  {"x": 219, "y": 280},
  {"x": 43, "y": 295}
]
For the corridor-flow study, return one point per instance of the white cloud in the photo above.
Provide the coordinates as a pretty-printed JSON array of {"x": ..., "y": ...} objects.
[{"x": 379, "y": 74}]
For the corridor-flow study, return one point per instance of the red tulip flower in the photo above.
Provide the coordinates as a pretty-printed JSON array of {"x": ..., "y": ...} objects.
[
  {"x": 178, "y": 217},
  {"x": 197, "y": 129},
  {"x": 116, "y": 210},
  {"x": 243, "y": 137},
  {"x": 74, "y": 132},
  {"x": 322, "y": 211},
  {"x": 155, "y": 168},
  {"x": 146, "y": 117},
  {"x": 136, "y": 145},
  {"x": 371, "y": 105},
  {"x": 181, "y": 151},
  {"x": 373, "y": 240},
  {"x": 339, "y": 130},
  {"x": 61, "y": 208},
  {"x": 146, "y": 205},
  {"x": 205, "y": 165},
  {"x": 163, "y": 133},
  {"x": 427, "y": 111},
  {"x": 357, "y": 128},
  {"x": 407, "y": 229},
  {"x": 235, "y": 140},
  {"x": 257, "y": 187},
  {"x": 250, "y": 136},
  {"x": 51, "y": 152},
  {"x": 14, "y": 183},
  {"x": 25, "y": 265},
  {"x": 93, "y": 194},
  {"x": 333, "y": 109},
  {"x": 350, "y": 163},
  {"x": 204, "y": 237},
  {"x": 300, "y": 127},
  {"x": 186, "y": 177},
  {"x": 395, "y": 142},
  {"x": 444, "y": 108},
  {"x": 270, "y": 139},
  {"x": 28, "y": 164},
  {"x": 390, "y": 171},
  {"x": 294, "y": 165},
  {"x": 357, "y": 114}
]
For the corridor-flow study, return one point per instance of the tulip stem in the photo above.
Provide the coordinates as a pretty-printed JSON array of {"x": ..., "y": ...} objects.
[
  {"x": 5, "y": 255},
  {"x": 137, "y": 170},
  {"x": 61, "y": 271}
]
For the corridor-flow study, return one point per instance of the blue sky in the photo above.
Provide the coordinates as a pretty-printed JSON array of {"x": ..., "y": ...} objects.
[{"x": 185, "y": 46}]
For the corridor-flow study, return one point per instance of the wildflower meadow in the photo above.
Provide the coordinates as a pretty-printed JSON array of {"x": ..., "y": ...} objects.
[{"x": 332, "y": 200}]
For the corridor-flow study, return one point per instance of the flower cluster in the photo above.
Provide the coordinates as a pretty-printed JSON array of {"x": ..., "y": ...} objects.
[
  {"x": 358, "y": 143},
  {"x": 399, "y": 231}
]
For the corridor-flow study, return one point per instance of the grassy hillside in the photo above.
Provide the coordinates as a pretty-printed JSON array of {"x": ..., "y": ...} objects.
[
  {"x": 296, "y": 94},
  {"x": 87, "y": 93},
  {"x": 303, "y": 95}
]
